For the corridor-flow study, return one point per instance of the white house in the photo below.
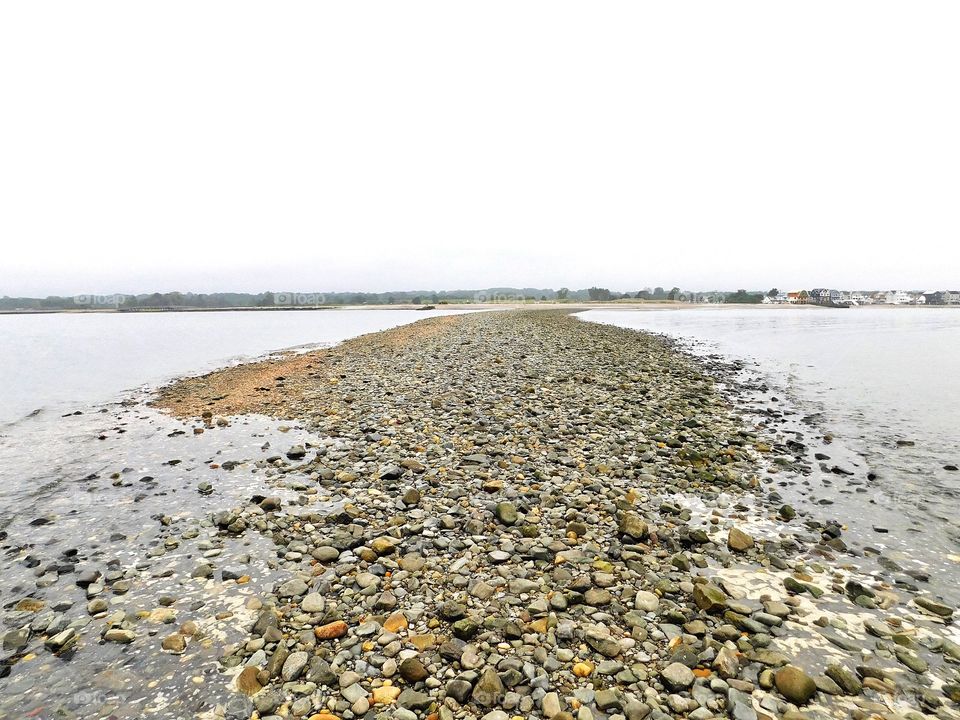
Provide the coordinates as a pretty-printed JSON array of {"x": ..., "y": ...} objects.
[{"x": 899, "y": 297}]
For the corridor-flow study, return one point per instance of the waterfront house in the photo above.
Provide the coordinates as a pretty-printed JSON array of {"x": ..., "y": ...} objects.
[
  {"x": 826, "y": 296},
  {"x": 818, "y": 296},
  {"x": 899, "y": 297}
]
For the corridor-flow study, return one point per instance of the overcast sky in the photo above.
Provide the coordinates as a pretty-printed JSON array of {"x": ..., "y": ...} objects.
[{"x": 212, "y": 146}]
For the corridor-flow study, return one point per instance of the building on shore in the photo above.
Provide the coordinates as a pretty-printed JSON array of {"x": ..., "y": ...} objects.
[
  {"x": 942, "y": 297},
  {"x": 827, "y": 297},
  {"x": 858, "y": 297},
  {"x": 900, "y": 297},
  {"x": 779, "y": 299}
]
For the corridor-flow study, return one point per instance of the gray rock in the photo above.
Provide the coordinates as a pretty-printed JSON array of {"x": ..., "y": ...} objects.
[
  {"x": 294, "y": 665},
  {"x": 414, "y": 700},
  {"x": 313, "y": 603},
  {"x": 292, "y": 588},
  {"x": 352, "y": 693},
  {"x": 677, "y": 676},
  {"x": 740, "y": 706},
  {"x": 646, "y": 601}
]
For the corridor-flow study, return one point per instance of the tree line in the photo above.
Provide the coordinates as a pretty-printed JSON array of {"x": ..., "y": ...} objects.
[{"x": 275, "y": 299}]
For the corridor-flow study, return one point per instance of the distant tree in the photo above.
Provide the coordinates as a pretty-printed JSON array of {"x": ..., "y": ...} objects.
[
  {"x": 742, "y": 296},
  {"x": 599, "y": 294},
  {"x": 416, "y": 300},
  {"x": 772, "y": 293},
  {"x": 674, "y": 293},
  {"x": 267, "y": 300},
  {"x": 563, "y": 293},
  {"x": 659, "y": 293}
]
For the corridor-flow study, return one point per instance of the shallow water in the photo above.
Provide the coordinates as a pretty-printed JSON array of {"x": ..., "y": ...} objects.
[
  {"x": 52, "y": 366},
  {"x": 53, "y": 363},
  {"x": 856, "y": 385},
  {"x": 135, "y": 525}
]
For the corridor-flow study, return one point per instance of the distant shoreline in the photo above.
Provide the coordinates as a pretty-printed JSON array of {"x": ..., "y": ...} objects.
[{"x": 578, "y": 306}]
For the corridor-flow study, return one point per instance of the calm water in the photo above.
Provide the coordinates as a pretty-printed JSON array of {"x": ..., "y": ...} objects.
[
  {"x": 52, "y": 366},
  {"x": 55, "y": 362},
  {"x": 874, "y": 379}
]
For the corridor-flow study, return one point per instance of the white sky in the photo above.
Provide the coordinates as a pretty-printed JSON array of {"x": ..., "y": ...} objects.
[{"x": 243, "y": 146}]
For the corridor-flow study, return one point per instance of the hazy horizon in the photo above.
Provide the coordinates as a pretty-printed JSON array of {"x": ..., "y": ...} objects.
[
  {"x": 99, "y": 293},
  {"x": 235, "y": 147}
]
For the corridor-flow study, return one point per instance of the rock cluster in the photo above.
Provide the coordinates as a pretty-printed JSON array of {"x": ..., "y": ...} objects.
[{"x": 517, "y": 540}]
